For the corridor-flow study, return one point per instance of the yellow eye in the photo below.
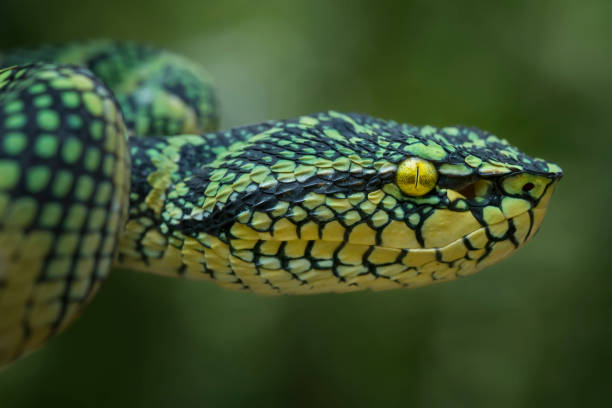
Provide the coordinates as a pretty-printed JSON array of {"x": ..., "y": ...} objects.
[{"x": 416, "y": 177}]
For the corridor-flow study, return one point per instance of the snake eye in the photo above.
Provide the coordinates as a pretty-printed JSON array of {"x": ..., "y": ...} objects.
[{"x": 416, "y": 177}]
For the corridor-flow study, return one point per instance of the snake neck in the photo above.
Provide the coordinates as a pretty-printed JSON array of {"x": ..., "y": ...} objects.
[{"x": 160, "y": 167}]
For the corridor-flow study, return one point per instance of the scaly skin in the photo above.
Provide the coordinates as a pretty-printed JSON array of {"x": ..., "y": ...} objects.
[{"x": 308, "y": 205}]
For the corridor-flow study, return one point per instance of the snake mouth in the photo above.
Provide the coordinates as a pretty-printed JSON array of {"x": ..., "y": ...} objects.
[
  {"x": 358, "y": 266},
  {"x": 488, "y": 244},
  {"x": 462, "y": 257},
  {"x": 465, "y": 255}
]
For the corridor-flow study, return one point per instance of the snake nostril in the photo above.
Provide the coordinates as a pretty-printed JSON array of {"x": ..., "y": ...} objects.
[{"x": 528, "y": 187}]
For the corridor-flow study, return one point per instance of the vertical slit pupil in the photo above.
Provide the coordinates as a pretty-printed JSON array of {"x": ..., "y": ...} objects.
[{"x": 416, "y": 179}]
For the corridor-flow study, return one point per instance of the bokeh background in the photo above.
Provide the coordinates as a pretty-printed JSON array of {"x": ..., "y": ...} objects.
[{"x": 535, "y": 330}]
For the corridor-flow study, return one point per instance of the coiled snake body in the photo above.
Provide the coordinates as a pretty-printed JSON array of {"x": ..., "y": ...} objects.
[{"x": 111, "y": 162}]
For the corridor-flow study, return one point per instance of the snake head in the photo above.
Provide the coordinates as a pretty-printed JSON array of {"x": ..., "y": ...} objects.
[{"x": 324, "y": 203}]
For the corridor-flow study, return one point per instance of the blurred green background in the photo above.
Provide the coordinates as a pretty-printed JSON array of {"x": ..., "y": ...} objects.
[{"x": 535, "y": 330}]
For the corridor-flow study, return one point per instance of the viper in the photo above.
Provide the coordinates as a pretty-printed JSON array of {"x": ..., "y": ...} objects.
[{"x": 110, "y": 159}]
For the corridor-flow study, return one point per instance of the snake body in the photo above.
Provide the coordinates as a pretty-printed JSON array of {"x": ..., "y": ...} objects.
[{"x": 109, "y": 159}]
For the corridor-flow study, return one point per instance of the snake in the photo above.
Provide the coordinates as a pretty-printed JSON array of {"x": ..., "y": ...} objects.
[{"x": 111, "y": 158}]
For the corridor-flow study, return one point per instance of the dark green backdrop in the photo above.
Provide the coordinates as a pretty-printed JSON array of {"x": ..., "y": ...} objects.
[{"x": 534, "y": 330}]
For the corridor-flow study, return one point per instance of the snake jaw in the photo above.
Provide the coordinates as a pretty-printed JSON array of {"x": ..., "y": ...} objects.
[{"x": 483, "y": 246}]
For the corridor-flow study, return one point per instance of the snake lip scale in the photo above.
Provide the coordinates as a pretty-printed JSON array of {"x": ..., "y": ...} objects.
[{"x": 110, "y": 158}]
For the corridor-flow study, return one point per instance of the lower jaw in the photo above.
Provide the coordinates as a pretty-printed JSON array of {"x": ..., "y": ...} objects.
[
  {"x": 473, "y": 252},
  {"x": 422, "y": 267}
]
